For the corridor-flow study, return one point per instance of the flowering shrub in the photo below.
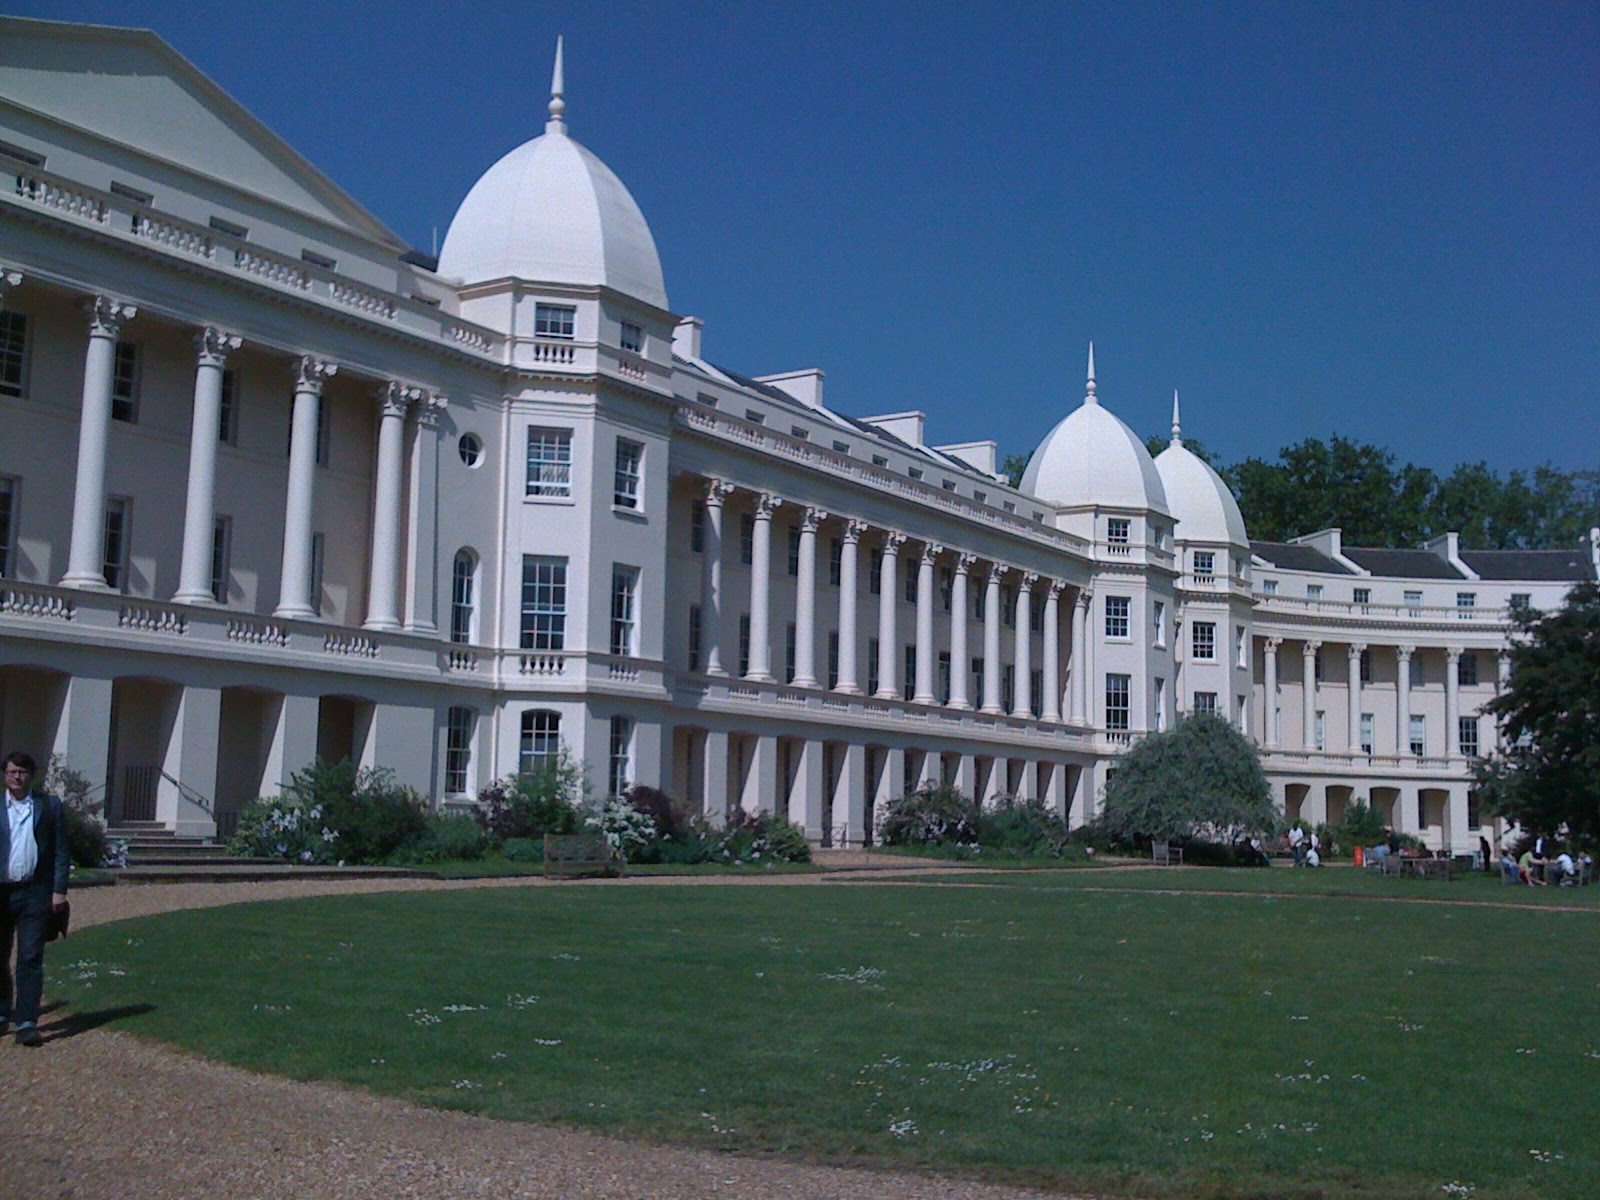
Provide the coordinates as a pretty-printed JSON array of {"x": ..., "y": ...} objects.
[
  {"x": 86, "y": 830},
  {"x": 534, "y": 803},
  {"x": 754, "y": 838},
  {"x": 627, "y": 829},
  {"x": 930, "y": 816},
  {"x": 281, "y": 827}
]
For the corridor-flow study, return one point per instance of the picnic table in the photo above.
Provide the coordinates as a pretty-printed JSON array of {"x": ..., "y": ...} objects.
[{"x": 1426, "y": 868}]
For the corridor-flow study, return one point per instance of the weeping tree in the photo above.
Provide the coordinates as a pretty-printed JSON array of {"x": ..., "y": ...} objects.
[{"x": 1202, "y": 780}]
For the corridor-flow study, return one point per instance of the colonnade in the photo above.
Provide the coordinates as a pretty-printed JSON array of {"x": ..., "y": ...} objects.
[
  {"x": 931, "y": 555},
  {"x": 396, "y": 401}
]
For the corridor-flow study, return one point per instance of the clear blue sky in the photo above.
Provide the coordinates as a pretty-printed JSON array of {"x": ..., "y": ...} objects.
[{"x": 1375, "y": 220}]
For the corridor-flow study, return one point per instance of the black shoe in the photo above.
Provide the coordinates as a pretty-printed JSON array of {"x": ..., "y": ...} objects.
[{"x": 29, "y": 1035}]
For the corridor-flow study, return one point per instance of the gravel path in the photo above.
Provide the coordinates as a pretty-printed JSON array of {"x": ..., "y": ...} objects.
[{"x": 104, "y": 1116}]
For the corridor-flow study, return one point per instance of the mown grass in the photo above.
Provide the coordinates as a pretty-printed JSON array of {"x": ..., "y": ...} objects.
[
  {"x": 498, "y": 868},
  {"x": 1129, "y": 1042}
]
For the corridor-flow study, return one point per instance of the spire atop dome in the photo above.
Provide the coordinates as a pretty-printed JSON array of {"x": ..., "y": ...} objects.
[
  {"x": 1177, "y": 427},
  {"x": 1089, "y": 396},
  {"x": 558, "y": 87}
]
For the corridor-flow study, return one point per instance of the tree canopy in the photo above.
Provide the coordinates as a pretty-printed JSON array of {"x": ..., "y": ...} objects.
[
  {"x": 1202, "y": 779},
  {"x": 1548, "y": 774}
]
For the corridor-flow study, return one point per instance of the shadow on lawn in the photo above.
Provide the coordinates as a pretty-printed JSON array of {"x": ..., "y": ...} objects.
[{"x": 74, "y": 1023}]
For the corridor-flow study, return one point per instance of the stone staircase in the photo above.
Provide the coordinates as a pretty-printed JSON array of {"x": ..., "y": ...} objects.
[{"x": 158, "y": 855}]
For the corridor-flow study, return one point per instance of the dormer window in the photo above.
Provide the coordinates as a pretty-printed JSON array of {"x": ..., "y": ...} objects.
[
  {"x": 631, "y": 338},
  {"x": 554, "y": 320},
  {"x": 1118, "y": 530},
  {"x": 1205, "y": 564}
]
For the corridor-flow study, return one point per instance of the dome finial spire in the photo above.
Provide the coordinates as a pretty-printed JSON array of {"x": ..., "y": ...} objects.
[
  {"x": 558, "y": 87},
  {"x": 1089, "y": 396},
  {"x": 1177, "y": 427}
]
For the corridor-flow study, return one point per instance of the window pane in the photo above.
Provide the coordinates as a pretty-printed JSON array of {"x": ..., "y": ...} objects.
[
  {"x": 544, "y": 603},
  {"x": 541, "y": 740},
  {"x": 549, "y": 462}
]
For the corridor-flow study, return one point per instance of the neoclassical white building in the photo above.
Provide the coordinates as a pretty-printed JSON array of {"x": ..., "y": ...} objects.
[{"x": 273, "y": 485}]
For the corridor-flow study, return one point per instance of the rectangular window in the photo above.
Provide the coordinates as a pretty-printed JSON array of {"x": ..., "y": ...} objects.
[
  {"x": 1117, "y": 618},
  {"x": 841, "y": 447},
  {"x": 28, "y": 158},
  {"x": 1269, "y": 587},
  {"x": 1241, "y": 647},
  {"x": 118, "y": 531},
  {"x": 231, "y": 228},
  {"x": 1158, "y": 621},
  {"x": 541, "y": 741},
  {"x": 1205, "y": 702},
  {"x": 1205, "y": 564},
  {"x": 1118, "y": 530},
  {"x": 1467, "y": 731},
  {"x": 13, "y": 354},
  {"x": 977, "y": 681},
  {"x": 947, "y": 587},
  {"x": 1008, "y": 606},
  {"x": 1036, "y": 615},
  {"x": 620, "y": 768},
  {"x": 324, "y": 432},
  {"x": 549, "y": 462},
  {"x": 875, "y": 572},
  {"x": 872, "y": 666},
  {"x": 625, "y": 487},
  {"x": 459, "y": 723},
  {"x": 944, "y": 677},
  {"x": 632, "y": 338},
  {"x": 801, "y": 432},
  {"x": 833, "y": 659},
  {"x": 1415, "y": 674},
  {"x": 544, "y": 603},
  {"x": 706, "y": 398},
  {"x": 1320, "y": 730},
  {"x": 909, "y": 569},
  {"x": 1467, "y": 669},
  {"x": 755, "y": 416},
  {"x": 697, "y": 527},
  {"x": 914, "y": 472},
  {"x": 744, "y": 644},
  {"x": 1036, "y": 692},
  {"x": 228, "y": 414},
  {"x": 1367, "y": 723},
  {"x": 790, "y": 654},
  {"x": 1117, "y": 690},
  {"x": 9, "y": 488},
  {"x": 1161, "y": 704},
  {"x": 553, "y": 320},
  {"x": 1204, "y": 641},
  {"x": 908, "y": 686},
  {"x": 1241, "y": 714},
  {"x": 125, "y": 383},
  {"x": 981, "y": 497},
  {"x": 463, "y": 583},
  {"x": 1474, "y": 821},
  {"x": 319, "y": 260},
  {"x": 319, "y": 552},
  {"x": 1316, "y": 665},
  {"x": 948, "y": 485},
  {"x": 694, "y": 637},
  {"x": 1008, "y": 686},
  {"x": 624, "y": 593},
  {"x": 835, "y": 562},
  {"x": 221, "y": 557},
  {"x": 747, "y": 539},
  {"x": 1366, "y": 666},
  {"x": 1313, "y": 591},
  {"x": 792, "y": 563},
  {"x": 1465, "y": 603},
  {"x": 1419, "y": 734},
  {"x": 1362, "y": 596},
  {"x": 980, "y": 598},
  {"x": 1413, "y": 600},
  {"x": 1518, "y": 599}
]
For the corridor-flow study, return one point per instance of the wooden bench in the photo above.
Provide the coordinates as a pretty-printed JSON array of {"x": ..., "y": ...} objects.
[
  {"x": 568, "y": 855},
  {"x": 1164, "y": 854}
]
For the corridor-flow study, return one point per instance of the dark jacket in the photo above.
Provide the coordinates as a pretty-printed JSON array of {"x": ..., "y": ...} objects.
[{"x": 50, "y": 834}]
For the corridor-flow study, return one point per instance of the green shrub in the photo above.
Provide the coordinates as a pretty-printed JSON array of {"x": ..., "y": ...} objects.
[
  {"x": 332, "y": 812},
  {"x": 523, "y": 849},
  {"x": 281, "y": 827},
  {"x": 534, "y": 803},
  {"x": 761, "y": 838},
  {"x": 457, "y": 837},
  {"x": 86, "y": 832},
  {"x": 86, "y": 838},
  {"x": 1022, "y": 829},
  {"x": 929, "y": 816}
]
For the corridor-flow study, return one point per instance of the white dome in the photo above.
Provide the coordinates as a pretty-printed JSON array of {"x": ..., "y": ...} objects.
[
  {"x": 1092, "y": 458},
  {"x": 551, "y": 211},
  {"x": 1205, "y": 508}
]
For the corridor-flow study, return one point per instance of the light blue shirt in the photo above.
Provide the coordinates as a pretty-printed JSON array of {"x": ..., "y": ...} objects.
[{"x": 24, "y": 850}]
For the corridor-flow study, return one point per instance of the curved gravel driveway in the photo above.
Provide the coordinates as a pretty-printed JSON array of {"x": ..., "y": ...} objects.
[{"x": 100, "y": 1115}]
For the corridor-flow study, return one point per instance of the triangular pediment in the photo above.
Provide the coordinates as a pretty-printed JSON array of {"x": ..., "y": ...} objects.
[{"x": 132, "y": 88}]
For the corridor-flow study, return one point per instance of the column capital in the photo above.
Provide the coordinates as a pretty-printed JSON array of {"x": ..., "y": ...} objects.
[
  {"x": 965, "y": 562},
  {"x": 1404, "y": 653},
  {"x": 106, "y": 316},
  {"x": 1453, "y": 653},
  {"x": 931, "y": 551},
  {"x": 1029, "y": 578},
  {"x": 893, "y": 539},
  {"x": 717, "y": 492},
  {"x": 430, "y": 409},
  {"x": 1356, "y": 649},
  {"x": 996, "y": 573},
  {"x": 213, "y": 345},
  {"x": 854, "y": 529},
  {"x": 1310, "y": 647},
  {"x": 1056, "y": 587},
  {"x": 766, "y": 505},
  {"x": 1084, "y": 598},
  {"x": 1272, "y": 644},
  {"x": 10, "y": 277},
  {"x": 394, "y": 398},
  {"x": 311, "y": 373},
  {"x": 812, "y": 518}
]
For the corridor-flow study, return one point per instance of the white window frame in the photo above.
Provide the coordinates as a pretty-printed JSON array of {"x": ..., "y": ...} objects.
[
  {"x": 1119, "y": 531},
  {"x": 1205, "y": 564},
  {"x": 228, "y": 409},
  {"x": 116, "y": 535},
  {"x": 1118, "y": 618},
  {"x": 1417, "y": 734},
  {"x": 555, "y": 321},
  {"x": 1158, "y": 617},
  {"x": 542, "y": 624},
  {"x": 460, "y": 726},
  {"x": 624, "y": 610},
  {"x": 221, "y": 557},
  {"x": 1119, "y": 702},
  {"x": 540, "y": 744},
  {"x": 549, "y": 475},
  {"x": 463, "y": 597},
  {"x": 1203, "y": 641},
  {"x": 126, "y": 370},
  {"x": 627, "y": 480},
  {"x": 319, "y": 559},
  {"x": 631, "y": 337},
  {"x": 619, "y": 762},
  {"x": 14, "y": 358},
  {"x": 10, "y": 506},
  {"x": 1205, "y": 702}
]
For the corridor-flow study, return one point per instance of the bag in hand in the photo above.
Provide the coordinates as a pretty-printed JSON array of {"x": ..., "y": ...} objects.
[{"x": 56, "y": 926}]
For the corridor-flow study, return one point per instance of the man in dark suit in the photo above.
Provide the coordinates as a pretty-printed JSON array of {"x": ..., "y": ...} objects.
[{"x": 34, "y": 866}]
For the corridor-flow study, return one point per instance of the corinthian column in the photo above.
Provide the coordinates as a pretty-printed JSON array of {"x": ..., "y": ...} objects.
[
  {"x": 1308, "y": 708},
  {"x": 1353, "y": 654},
  {"x": 1402, "y": 707},
  {"x": 199, "y": 510},
  {"x": 888, "y": 585},
  {"x": 1024, "y": 646},
  {"x": 422, "y": 563},
  {"x": 85, "y": 565},
  {"x": 294, "y": 584},
  {"x": 925, "y": 654},
  {"x": 991, "y": 640},
  {"x": 958, "y": 632},
  {"x": 383, "y": 606},
  {"x": 761, "y": 590},
  {"x": 805, "y": 621},
  {"x": 849, "y": 582},
  {"x": 1052, "y": 652},
  {"x": 1270, "y": 670},
  {"x": 1080, "y": 656},
  {"x": 711, "y": 598}
]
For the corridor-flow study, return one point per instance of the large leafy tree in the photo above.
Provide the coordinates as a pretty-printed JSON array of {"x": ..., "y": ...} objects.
[
  {"x": 1317, "y": 485},
  {"x": 1548, "y": 774},
  {"x": 1200, "y": 780}
]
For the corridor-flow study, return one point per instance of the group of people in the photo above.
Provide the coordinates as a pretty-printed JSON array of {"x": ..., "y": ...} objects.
[
  {"x": 1306, "y": 847},
  {"x": 1535, "y": 866}
]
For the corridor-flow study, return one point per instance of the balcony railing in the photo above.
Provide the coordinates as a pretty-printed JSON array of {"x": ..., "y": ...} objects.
[{"x": 1419, "y": 613}]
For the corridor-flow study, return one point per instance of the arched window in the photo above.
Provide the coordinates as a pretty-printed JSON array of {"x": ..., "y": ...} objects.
[
  {"x": 463, "y": 589},
  {"x": 541, "y": 740}
]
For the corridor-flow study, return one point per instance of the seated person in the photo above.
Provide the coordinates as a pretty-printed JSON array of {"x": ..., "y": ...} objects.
[
  {"x": 1376, "y": 855},
  {"x": 1509, "y": 871},
  {"x": 1530, "y": 869},
  {"x": 1564, "y": 868},
  {"x": 1313, "y": 857}
]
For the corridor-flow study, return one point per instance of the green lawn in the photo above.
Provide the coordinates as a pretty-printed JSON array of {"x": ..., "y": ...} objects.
[
  {"x": 499, "y": 868},
  {"x": 1129, "y": 1041}
]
